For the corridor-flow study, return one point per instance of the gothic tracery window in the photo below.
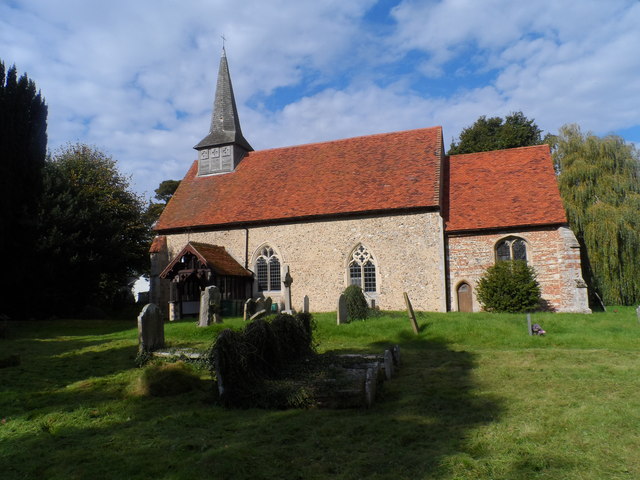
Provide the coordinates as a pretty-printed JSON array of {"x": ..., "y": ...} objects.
[
  {"x": 362, "y": 269},
  {"x": 268, "y": 270},
  {"x": 511, "y": 249}
]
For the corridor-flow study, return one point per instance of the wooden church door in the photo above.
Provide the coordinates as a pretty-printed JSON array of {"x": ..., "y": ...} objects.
[{"x": 465, "y": 302}]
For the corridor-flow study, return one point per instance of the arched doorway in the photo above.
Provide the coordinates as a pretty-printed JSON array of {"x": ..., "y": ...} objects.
[{"x": 465, "y": 301}]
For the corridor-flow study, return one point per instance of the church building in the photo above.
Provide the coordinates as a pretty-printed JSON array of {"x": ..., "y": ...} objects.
[{"x": 388, "y": 212}]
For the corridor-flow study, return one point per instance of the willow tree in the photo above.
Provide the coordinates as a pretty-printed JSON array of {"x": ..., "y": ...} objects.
[{"x": 599, "y": 181}]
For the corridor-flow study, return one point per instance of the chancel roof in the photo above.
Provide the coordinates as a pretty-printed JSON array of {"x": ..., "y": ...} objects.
[
  {"x": 504, "y": 188},
  {"x": 376, "y": 173}
]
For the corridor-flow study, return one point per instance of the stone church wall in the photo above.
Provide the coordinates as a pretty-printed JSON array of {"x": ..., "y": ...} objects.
[
  {"x": 408, "y": 251},
  {"x": 553, "y": 252}
]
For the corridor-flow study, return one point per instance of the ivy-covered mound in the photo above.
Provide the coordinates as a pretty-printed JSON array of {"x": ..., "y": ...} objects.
[
  {"x": 247, "y": 363},
  {"x": 272, "y": 363}
]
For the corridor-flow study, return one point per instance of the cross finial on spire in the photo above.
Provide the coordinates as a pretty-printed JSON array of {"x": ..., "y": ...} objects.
[{"x": 223, "y": 40}]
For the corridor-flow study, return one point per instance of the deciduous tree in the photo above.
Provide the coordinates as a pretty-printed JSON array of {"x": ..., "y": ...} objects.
[
  {"x": 599, "y": 181},
  {"x": 93, "y": 230},
  {"x": 494, "y": 133}
]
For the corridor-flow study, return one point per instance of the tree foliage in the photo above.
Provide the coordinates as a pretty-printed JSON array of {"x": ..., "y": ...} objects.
[
  {"x": 494, "y": 133},
  {"x": 23, "y": 145},
  {"x": 509, "y": 286},
  {"x": 599, "y": 181},
  {"x": 93, "y": 233},
  {"x": 164, "y": 192},
  {"x": 166, "y": 189}
]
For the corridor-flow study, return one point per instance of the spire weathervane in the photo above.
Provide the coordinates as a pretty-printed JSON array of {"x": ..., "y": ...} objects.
[{"x": 225, "y": 146}]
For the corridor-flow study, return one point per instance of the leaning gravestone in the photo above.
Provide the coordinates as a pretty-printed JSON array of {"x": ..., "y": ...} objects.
[
  {"x": 249, "y": 308},
  {"x": 210, "y": 300},
  {"x": 412, "y": 315},
  {"x": 150, "y": 328},
  {"x": 260, "y": 303},
  {"x": 258, "y": 314},
  {"x": 343, "y": 315}
]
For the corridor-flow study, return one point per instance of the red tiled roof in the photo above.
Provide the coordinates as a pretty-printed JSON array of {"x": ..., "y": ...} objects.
[
  {"x": 364, "y": 174},
  {"x": 214, "y": 256},
  {"x": 159, "y": 243},
  {"x": 503, "y": 188}
]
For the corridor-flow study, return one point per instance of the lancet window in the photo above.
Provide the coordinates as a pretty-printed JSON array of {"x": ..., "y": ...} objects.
[{"x": 268, "y": 270}]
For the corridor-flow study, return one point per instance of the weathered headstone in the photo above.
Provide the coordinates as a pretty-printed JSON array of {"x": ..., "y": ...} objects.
[
  {"x": 305, "y": 304},
  {"x": 371, "y": 385},
  {"x": 210, "y": 300},
  {"x": 412, "y": 315},
  {"x": 529, "y": 324},
  {"x": 150, "y": 328},
  {"x": 249, "y": 308},
  {"x": 288, "y": 280},
  {"x": 267, "y": 305},
  {"x": 258, "y": 314},
  {"x": 174, "y": 311},
  {"x": 342, "y": 314},
  {"x": 638, "y": 312},
  {"x": 388, "y": 364},
  {"x": 260, "y": 303},
  {"x": 395, "y": 351}
]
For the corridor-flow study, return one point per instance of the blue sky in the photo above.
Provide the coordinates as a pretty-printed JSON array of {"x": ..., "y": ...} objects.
[{"x": 137, "y": 78}]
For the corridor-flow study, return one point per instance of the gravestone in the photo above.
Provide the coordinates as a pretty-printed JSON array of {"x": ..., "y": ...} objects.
[
  {"x": 210, "y": 299},
  {"x": 150, "y": 328},
  {"x": 288, "y": 280},
  {"x": 412, "y": 315},
  {"x": 305, "y": 304},
  {"x": 260, "y": 302},
  {"x": 342, "y": 314},
  {"x": 267, "y": 305},
  {"x": 258, "y": 314},
  {"x": 388, "y": 364},
  {"x": 249, "y": 308},
  {"x": 638, "y": 312}
]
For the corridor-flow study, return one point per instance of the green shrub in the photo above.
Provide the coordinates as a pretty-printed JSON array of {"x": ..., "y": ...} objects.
[
  {"x": 357, "y": 306},
  {"x": 509, "y": 286}
]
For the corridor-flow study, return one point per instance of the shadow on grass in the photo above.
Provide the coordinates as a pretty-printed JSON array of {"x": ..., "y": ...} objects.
[{"x": 423, "y": 417}]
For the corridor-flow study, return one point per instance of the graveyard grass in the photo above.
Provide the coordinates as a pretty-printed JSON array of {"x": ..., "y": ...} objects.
[{"x": 475, "y": 398}]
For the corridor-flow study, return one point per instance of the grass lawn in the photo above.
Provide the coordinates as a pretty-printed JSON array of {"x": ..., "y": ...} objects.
[{"x": 476, "y": 398}]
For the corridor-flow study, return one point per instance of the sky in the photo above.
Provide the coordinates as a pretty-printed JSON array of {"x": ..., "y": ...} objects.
[{"x": 136, "y": 78}]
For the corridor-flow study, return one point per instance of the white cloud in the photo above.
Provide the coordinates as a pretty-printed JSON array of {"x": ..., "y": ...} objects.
[{"x": 137, "y": 78}]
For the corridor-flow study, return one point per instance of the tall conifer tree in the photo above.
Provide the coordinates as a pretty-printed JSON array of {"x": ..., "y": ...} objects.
[
  {"x": 599, "y": 181},
  {"x": 23, "y": 145}
]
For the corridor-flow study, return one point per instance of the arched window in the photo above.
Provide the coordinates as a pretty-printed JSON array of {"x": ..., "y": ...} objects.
[
  {"x": 268, "y": 270},
  {"x": 511, "y": 249},
  {"x": 362, "y": 269}
]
